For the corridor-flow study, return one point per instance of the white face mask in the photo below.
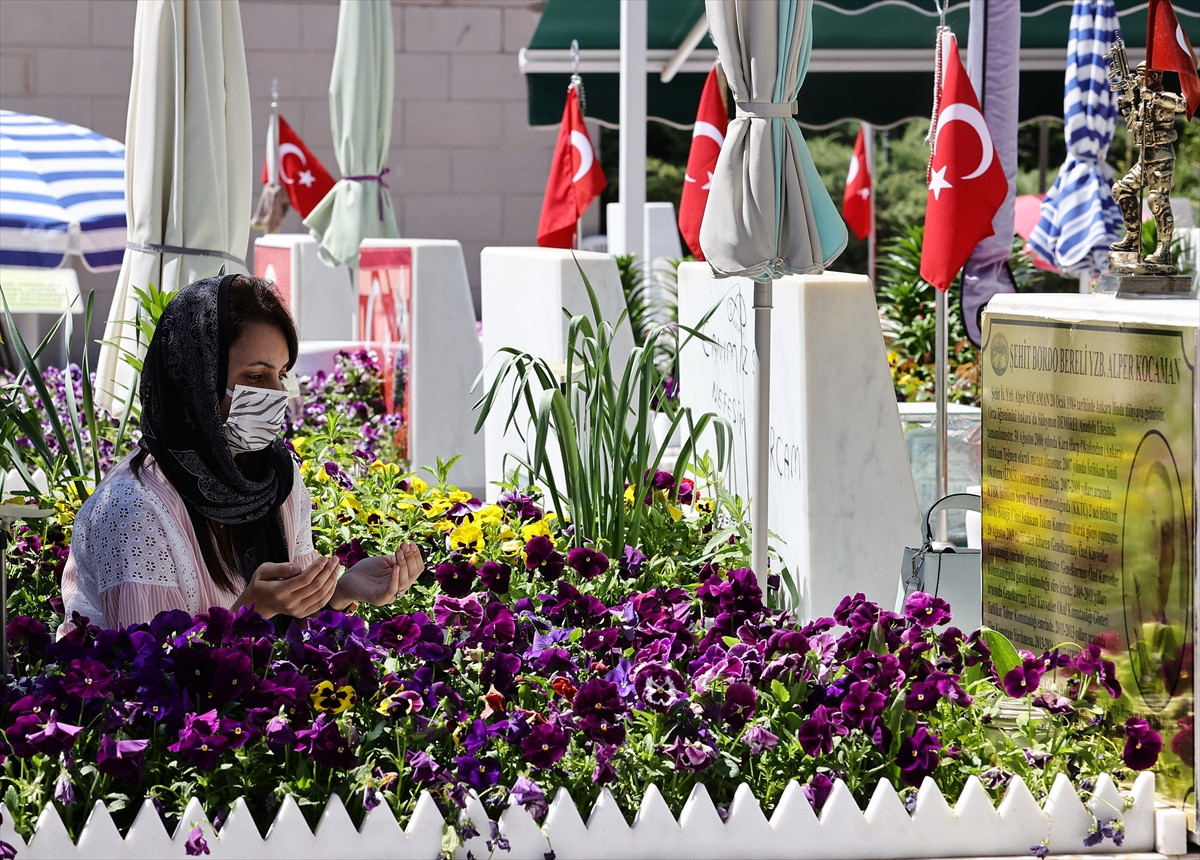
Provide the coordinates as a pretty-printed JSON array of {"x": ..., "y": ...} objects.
[{"x": 255, "y": 417}]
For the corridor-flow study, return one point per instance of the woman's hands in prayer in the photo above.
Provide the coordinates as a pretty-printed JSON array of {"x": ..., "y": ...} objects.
[
  {"x": 285, "y": 589},
  {"x": 379, "y": 580}
]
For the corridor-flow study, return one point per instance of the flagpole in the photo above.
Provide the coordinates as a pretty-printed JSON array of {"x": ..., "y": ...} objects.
[
  {"x": 869, "y": 141},
  {"x": 941, "y": 368}
]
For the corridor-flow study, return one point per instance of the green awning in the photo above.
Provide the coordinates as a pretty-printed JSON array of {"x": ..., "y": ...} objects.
[{"x": 872, "y": 60}]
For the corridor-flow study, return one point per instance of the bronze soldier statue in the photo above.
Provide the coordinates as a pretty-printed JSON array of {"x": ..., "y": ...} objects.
[{"x": 1150, "y": 117}]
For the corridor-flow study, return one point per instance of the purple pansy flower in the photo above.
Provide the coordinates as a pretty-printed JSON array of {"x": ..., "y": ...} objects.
[
  {"x": 122, "y": 759},
  {"x": 918, "y": 756},
  {"x": 759, "y": 738},
  {"x": 544, "y": 745},
  {"x": 455, "y": 577},
  {"x": 926, "y": 610},
  {"x": 1142, "y": 744},
  {"x": 453, "y": 612},
  {"x": 525, "y": 792},
  {"x": 480, "y": 774},
  {"x": 818, "y": 790},
  {"x": 589, "y": 563},
  {"x": 495, "y": 576},
  {"x": 659, "y": 686},
  {"x": 196, "y": 843}
]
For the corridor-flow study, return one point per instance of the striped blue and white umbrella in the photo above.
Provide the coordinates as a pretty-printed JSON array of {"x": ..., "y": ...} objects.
[
  {"x": 1080, "y": 219},
  {"x": 62, "y": 191}
]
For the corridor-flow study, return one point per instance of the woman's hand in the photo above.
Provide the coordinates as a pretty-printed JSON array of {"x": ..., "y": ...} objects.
[
  {"x": 381, "y": 579},
  {"x": 285, "y": 589}
]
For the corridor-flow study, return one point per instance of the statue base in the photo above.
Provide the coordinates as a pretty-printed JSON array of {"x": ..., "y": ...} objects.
[
  {"x": 1134, "y": 263},
  {"x": 1145, "y": 285}
]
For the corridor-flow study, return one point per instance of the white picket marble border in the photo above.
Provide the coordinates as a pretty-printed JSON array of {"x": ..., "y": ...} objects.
[{"x": 971, "y": 828}]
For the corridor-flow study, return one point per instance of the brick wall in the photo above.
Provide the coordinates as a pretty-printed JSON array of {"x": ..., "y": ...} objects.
[{"x": 464, "y": 165}]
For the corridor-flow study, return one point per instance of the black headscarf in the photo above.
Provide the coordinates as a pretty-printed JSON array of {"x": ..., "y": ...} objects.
[{"x": 183, "y": 381}]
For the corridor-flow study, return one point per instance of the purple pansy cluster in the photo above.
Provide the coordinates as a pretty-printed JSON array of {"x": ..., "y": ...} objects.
[{"x": 512, "y": 698}]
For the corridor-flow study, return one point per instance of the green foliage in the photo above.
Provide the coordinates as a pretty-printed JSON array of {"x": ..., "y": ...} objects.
[
  {"x": 600, "y": 418},
  {"x": 907, "y": 302},
  {"x": 59, "y": 434}
]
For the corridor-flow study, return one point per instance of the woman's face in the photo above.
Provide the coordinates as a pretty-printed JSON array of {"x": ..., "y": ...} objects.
[{"x": 256, "y": 359}]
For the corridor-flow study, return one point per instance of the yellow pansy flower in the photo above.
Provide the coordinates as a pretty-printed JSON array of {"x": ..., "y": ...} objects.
[
  {"x": 676, "y": 513},
  {"x": 467, "y": 537},
  {"x": 491, "y": 514},
  {"x": 350, "y": 502},
  {"x": 325, "y": 697},
  {"x": 417, "y": 485},
  {"x": 436, "y": 509},
  {"x": 460, "y": 496},
  {"x": 704, "y": 506},
  {"x": 511, "y": 547},
  {"x": 534, "y": 529},
  {"x": 386, "y": 468}
]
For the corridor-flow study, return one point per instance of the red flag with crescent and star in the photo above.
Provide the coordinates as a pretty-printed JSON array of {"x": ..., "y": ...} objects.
[
  {"x": 966, "y": 180},
  {"x": 712, "y": 121},
  {"x": 1168, "y": 48},
  {"x": 856, "y": 201},
  {"x": 576, "y": 179},
  {"x": 305, "y": 178}
]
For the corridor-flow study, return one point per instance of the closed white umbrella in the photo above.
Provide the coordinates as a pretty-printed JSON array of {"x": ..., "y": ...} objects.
[
  {"x": 188, "y": 162},
  {"x": 768, "y": 214}
]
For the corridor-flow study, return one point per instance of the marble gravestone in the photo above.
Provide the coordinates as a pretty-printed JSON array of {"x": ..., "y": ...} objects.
[
  {"x": 444, "y": 359},
  {"x": 1090, "y": 440},
  {"x": 524, "y": 292},
  {"x": 842, "y": 500}
]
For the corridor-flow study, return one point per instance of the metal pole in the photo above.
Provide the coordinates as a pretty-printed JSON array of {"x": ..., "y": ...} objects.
[
  {"x": 632, "y": 133},
  {"x": 941, "y": 369},
  {"x": 762, "y": 428},
  {"x": 869, "y": 141}
]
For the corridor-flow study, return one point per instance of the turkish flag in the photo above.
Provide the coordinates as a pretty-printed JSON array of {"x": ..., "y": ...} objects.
[
  {"x": 575, "y": 180},
  {"x": 1168, "y": 48},
  {"x": 712, "y": 121},
  {"x": 856, "y": 201},
  {"x": 966, "y": 180},
  {"x": 305, "y": 178}
]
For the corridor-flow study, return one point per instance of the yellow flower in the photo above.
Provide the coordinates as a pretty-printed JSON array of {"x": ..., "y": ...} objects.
[
  {"x": 676, "y": 513},
  {"x": 444, "y": 526},
  {"x": 350, "y": 502},
  {"x": 467, "y": 537},
  {"x": 299, "y": 444},
  {"x": 460, "y": 496},
  {"x": 65, "y": 511},
  {"x": 629, "y": 496},
  {"x": 491, "y": 514},
  {"x": 435, "y": 509},
  {"x": 386, "y": 468},
  {"x": 535, "y": 529},
  {"x": 416, "y": 485},
  {"x": 704, "y": 506},
  {"x": 511, "y": 547},
  {"x": 326, "y": 698}
]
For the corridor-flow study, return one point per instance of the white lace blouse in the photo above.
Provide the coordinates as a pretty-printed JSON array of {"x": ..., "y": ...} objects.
[{"x": 134, "y": 552}]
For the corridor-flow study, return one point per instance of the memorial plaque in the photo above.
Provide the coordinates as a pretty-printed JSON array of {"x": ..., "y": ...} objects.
[
  {"x": 1089, "y": 505},
  {"x": 41, "y": 291}
]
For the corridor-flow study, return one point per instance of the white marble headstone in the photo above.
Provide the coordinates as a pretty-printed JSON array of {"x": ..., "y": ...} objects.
[
  {"x": 841, "y": 495},
  {"x": 523, "y": 293},
  {"x": 445, "y": 358}
]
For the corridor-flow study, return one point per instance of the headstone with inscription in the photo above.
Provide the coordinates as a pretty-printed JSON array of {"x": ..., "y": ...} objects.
[
  {"x": 1089, "y": 494},
  {"x": 842, "y": 502}
]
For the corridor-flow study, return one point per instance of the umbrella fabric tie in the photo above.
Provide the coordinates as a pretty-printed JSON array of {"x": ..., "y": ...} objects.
[
  {"x": 370, "y": 177},
  {"x": 766, "y": 110},
  {"x": 179, "y": 249}
]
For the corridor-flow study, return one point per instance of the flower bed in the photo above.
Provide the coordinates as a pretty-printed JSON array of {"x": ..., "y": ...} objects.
[{"x": 529, "y": 660}]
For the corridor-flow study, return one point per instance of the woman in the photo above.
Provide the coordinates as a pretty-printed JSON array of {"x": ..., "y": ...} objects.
[{"x": 210, "y": 509}]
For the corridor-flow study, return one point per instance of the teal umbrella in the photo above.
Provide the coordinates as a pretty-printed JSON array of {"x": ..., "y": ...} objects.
[
  {"x": 768, "y": 213},
  {"x": 360, "y": 108}
]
